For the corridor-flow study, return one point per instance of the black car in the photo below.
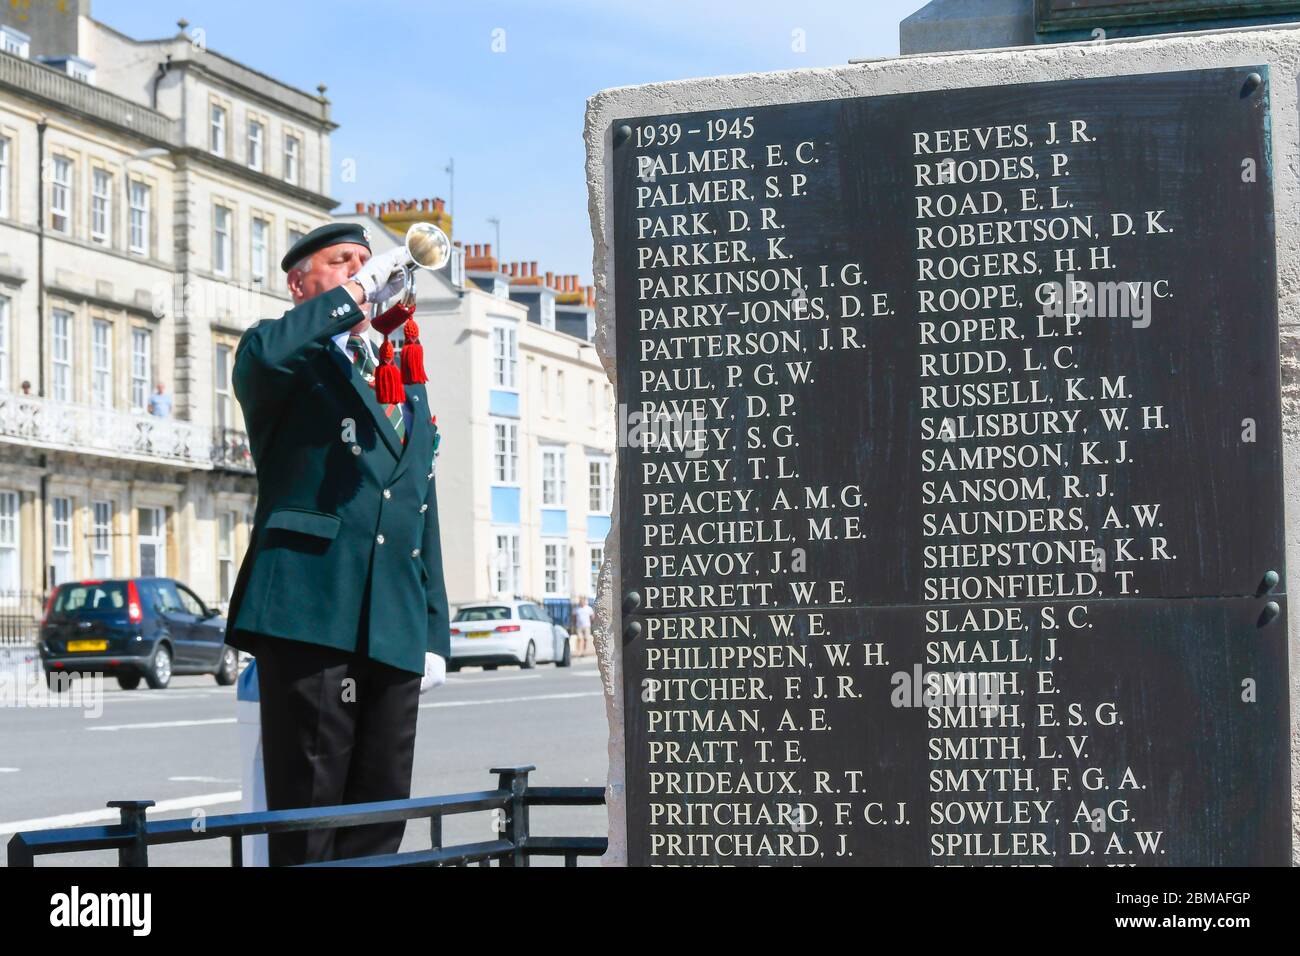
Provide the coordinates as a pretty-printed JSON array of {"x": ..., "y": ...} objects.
[{"x": 133, "y": 628}]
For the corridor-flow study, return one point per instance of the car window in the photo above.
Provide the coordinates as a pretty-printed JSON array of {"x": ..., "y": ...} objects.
[
  {"x": 528, "y": 612},
  {"x": 190, "y": 601},
  {"x": 102, "y": 598},
  {"x": 492, "y": 613},
  {"x": 166, "y": 597}
]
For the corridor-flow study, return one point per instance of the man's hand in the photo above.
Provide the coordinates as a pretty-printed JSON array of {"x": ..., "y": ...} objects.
[
  {"x": 381, "y": 278},
  {"x": 435, "y": 673}
]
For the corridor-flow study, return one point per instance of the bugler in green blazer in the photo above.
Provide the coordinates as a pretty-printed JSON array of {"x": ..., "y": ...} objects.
[{"x": 342, "y": 503}]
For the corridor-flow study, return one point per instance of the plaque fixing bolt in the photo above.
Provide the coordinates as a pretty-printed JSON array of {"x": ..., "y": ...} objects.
[
  {"x": 1268, "y": 583},
  {"x": 631, "y": 602},
  {"x": 1253, "y": 82},
  {"x": 622, "y": 134},
  {"x": 632, "y": 631},
  {"x": 1271, "y": 610}
]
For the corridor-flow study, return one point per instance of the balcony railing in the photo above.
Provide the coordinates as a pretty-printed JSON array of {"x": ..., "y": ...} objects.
[
  {"x": 230, "y": 450},
  {"x": 36, "y": 79},
  {"x": 64, "y": 426}
]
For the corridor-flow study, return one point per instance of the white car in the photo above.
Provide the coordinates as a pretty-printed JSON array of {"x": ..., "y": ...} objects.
[{"x": 506, "y": 632}]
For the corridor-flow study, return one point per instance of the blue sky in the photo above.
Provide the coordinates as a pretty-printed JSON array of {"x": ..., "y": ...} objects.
[{"x": 414, "y": 83}]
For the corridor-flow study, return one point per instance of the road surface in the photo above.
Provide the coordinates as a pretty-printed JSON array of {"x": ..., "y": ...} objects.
[{"x": 180, "y": 748}]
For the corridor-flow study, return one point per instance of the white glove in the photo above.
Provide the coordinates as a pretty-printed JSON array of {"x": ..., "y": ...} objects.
[
  {"x": 435, "y": 672},
  {"x": 381, "y": 278}
]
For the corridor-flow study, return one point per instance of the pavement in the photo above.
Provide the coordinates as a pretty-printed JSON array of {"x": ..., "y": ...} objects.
[{"x": 179, "y": 747}]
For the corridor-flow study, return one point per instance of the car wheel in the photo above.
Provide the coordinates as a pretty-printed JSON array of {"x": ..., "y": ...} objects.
[
  {"x": 160, "y": 668},
  {"x": 489, "y": 667},
  {"x": 530, "y": 658},
  {"x": 452, "y": 667},
  {"x": 229, "y": 670},
  {"x": 128, "y": 681},
  {"x": 567, "y": 657}
]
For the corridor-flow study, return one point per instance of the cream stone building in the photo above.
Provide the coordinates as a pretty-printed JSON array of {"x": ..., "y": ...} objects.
[
  {"x": 527, "y": 419},
  {"x": 147, "y": 192}
]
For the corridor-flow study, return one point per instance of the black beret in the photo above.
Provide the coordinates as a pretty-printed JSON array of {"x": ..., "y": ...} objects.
[{"x": 332, "y": 234}]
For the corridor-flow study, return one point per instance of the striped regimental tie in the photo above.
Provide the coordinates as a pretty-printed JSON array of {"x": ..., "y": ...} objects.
[{"x": 362, "y": 360}]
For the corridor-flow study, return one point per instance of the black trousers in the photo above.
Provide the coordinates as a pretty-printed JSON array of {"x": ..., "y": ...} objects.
[{"x": 337, "y": 728}]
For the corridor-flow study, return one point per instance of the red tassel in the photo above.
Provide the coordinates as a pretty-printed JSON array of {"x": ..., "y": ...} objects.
[
  {"x": 413, "y": 355},
  {"x": 388, "y": 380}
]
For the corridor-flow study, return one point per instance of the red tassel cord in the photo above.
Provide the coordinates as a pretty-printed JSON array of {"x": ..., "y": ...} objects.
[
  {"x": 393, "y": 319},
  {"x": 388, "y": 380},
  {"x": 413, "y": 355}
]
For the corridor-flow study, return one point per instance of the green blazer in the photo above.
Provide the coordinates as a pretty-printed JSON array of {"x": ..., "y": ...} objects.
[{"x": 342, "y": 503}]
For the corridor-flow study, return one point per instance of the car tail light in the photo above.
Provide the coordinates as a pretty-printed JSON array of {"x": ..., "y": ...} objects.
[
  {"x": 455, "y": 630},
  {"x": 49, "y": 603},
  {"x": 506, "y": 627},
  {"x": 133, "y": 603}
]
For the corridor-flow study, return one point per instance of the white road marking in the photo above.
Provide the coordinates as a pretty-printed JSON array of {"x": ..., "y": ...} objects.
[
  {"x": 160, "y": 697},
  {"x": 490, "y": 680},
  {"x": 154, "y": 725},
  {"x": 507, "y": 700},
  {"x": 109, "y": 813},
  {"x": 8, "y": 770},
  {"x": 203, "y": 779}
]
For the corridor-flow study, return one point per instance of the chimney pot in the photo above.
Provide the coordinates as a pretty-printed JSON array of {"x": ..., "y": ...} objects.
[{"x": 487, "y": 249}]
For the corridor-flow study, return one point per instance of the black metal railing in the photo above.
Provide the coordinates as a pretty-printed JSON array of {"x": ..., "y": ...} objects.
[
  {"x": 513, "y": 799},
  {"x": 20, "y": 617},
  {"x": 560, "y": 611}
]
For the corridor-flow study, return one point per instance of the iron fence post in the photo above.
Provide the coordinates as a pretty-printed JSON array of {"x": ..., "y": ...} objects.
[
  {"x": 20, "y": 853},
  {"x": 135, "y": 853},
  {"x": 514, "y": 780}
]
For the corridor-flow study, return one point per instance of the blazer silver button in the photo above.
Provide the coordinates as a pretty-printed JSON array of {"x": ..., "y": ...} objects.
[
  {"x": 387, "y": 493},
  {"x": 415, "y": 553},
  {"x": 423, "y": 508},
  {"x": 379, "y": 538},
  {"x": 356, "y": 449}
]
